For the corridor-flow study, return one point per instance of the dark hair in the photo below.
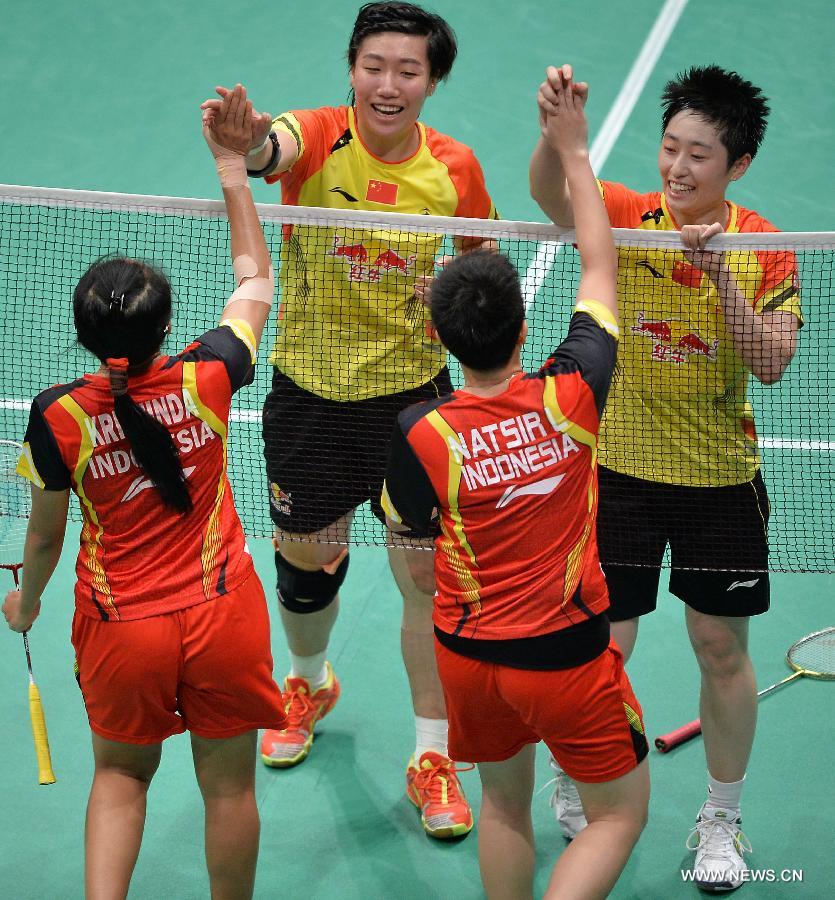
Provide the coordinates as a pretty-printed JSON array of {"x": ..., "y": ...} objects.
[
  {"x": 121, "y": 309},
  {"x": 735, "y": 107},
  {"x": 477, "y": 309},
  {"x": 406, "y": 18}
]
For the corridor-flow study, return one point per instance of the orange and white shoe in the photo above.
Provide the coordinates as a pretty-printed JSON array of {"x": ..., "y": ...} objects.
[
  {"x": 291, "y": 745},
  {"x": 432, "y": 785}
]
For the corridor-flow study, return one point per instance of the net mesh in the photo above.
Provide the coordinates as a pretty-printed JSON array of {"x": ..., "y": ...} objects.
[
  {"x": 815, "y": 654},
  {"x": 353, "y": 346}
]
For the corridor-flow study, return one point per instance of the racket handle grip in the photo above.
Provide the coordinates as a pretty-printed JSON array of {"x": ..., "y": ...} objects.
[
  {"x": 667, "y": 742},
  {"x": 45, "y": 773}
]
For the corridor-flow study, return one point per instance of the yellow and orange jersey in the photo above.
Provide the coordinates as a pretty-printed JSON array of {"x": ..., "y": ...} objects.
[
  {"x": 139, "y": 558},
  {"x": 678, "y": 411},
  {"x": 349, "y": 326}
]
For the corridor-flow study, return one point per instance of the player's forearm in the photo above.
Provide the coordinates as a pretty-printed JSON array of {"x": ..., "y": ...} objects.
[
  {"x": 549, "y": 186},
  {"x": 591, "y": 221},
  {"x": 40, "y": 557},
  {"x": 765, "y": 345},
  {"x": 247, "y": 236}
]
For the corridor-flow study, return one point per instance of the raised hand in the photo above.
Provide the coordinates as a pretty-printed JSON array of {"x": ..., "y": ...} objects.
[
  {"x": 260, "y": 122},
  {"x": 562, "y": 119},
  {"x": 555, "y": 80}
]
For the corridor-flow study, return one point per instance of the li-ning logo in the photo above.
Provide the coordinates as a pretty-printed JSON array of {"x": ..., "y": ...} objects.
[
  {"x": 538, "y": 487},
  {"x": 737, "y": 584},
  {"x": 142, "y": 484}
]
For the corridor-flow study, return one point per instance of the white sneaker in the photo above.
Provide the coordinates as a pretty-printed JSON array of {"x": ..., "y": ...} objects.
[
  {"x": 566, "y": 803},
  {"x": 719, "y": 844}
]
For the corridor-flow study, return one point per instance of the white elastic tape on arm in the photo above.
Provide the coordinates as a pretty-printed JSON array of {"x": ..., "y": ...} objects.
[{"x": 260, "y": 290}]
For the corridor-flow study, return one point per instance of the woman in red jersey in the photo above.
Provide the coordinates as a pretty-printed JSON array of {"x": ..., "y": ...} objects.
[
  {"x": 171, "y": 629},
  {"x": 504, "y": 472}
]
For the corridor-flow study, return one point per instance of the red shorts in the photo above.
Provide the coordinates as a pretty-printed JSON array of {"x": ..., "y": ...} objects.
[
  {"x": 588, "y": 716},
  {"x": 207, "y": 668}
]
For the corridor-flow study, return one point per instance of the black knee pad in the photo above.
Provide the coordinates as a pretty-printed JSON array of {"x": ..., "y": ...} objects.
[{"x": 317, "y": 590}]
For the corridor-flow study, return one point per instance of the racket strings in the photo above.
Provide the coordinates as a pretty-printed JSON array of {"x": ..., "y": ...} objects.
[
  {"x": 815, "y": 654},
  {"x": 15, "y": 506}
]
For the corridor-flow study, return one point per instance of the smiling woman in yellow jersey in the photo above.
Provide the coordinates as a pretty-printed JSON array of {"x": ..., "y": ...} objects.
[
  {"x": 679, "y": 465},
  {"x": 353, "y": 350},
  {"x": 361, "y": 282}
]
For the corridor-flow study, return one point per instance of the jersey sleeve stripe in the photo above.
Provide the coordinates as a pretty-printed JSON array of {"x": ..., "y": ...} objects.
[
  {"x": 243, "y": 331},
  {"x": 290, "y": 125},
  {"x": 388, "y": 506},
  {"x": 601, "y": 315},
  {"x": 26, "y": 467}
]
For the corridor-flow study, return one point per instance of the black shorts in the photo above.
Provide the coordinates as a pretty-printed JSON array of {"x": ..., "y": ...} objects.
[
  {"x": 718, "y": 538},
  {"x": 327, "y": 457}
]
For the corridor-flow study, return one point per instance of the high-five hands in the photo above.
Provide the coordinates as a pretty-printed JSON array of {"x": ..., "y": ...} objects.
[{"x": 218, "y": 122}]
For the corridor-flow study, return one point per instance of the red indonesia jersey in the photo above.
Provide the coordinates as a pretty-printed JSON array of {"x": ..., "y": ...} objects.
[
  {"x": 139, "y": 558},
  {"x": 512, "y": 481}
]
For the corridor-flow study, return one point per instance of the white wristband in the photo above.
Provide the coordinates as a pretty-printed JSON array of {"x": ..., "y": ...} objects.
[{"x": 255, "y": 151}]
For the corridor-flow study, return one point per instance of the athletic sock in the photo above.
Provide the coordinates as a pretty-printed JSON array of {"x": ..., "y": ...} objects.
[
  {"x": 723, "y": 795},
  {"x": 432, "y": 734},
  {"x": 311, "y": 668}
]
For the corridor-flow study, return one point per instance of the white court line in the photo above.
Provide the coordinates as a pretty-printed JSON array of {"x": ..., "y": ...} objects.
[
  {"x": 617, "y": 117},
  {"x": 254, "y": 416}
]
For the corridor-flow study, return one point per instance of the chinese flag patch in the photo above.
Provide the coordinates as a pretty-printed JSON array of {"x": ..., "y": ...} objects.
[
  {"x": 686, "y": 275},
  {"x": 381, "y": 192}
]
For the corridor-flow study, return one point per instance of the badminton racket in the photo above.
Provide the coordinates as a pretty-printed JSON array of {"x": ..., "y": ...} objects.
[
  {"x": 15, "y": 507},
  {"x": 812, "y": 656}
]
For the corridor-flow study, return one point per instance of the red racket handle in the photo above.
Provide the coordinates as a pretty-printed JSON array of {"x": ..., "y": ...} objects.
[{"x": 666, "y": 742}]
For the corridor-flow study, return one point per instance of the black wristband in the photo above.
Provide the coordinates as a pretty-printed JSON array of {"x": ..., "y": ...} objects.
[{"x": 275, "y": 156}]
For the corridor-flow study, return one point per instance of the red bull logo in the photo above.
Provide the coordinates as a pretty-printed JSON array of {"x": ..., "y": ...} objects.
[
  {"x": 362, "y": 269},
  {"x": 667, "y": 348},
  {"x": 691, "y": 343},
  {"x": 659, "y": 329},
  {"x": 356, "y": 253},
  {"x": 281, "y": 500}
]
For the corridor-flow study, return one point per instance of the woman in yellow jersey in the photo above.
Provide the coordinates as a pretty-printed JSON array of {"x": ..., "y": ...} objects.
[
  {"x": 352, "y": 351},
  {"x": 678, "y": 451}
]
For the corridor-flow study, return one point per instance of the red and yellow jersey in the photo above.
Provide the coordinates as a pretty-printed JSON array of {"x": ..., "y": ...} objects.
[
  {"x": 139, "y": 558},
  {"x": 349, "y": 326},
  {"x": 678, "y": 410},
  {"x": 512, "y": 482}
]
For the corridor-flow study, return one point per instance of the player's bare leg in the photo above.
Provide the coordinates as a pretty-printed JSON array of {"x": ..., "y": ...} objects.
[
  {"x": 310, "y": 572},
  {"x": 593, "y": 861},
  {"x": 728, "y": 700},
  {"x": 413, "y": 570},
  {"x": 431, "y": 779},
  {"x": 116, "y": 814},
  {"x": 505, "y": 831},
  {"x": 625, "y": 634},
  {"x": 566, "y": 799},
  {"x": 225, "y": 771}
]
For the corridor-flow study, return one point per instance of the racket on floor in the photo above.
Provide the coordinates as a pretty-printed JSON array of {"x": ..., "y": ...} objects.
[
  {"x": 15, "y": 507},
  {"x": 812, "y": 656}
]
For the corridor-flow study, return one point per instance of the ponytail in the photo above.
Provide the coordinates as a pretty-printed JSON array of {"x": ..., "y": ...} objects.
[
  {"x": 122, "y": 309},
  {"x": 150, "y": 441}
]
